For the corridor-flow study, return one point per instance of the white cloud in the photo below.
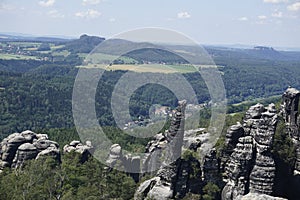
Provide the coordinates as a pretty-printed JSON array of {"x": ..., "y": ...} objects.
[
  {"x": 276, "y": 1},
  {"x": 243, "y": 19},
  {"x": 294, "y": 7},
  {"x": 90, "y": 2},
  {"x": 183, "y": 15},
  {"x": 262, "y": 17},
  {"x": 55, "y": 14},
  {"x": 90, "y": 14},
  {"x": 47, "y": 3},
  {"x": 277, "y": 14}
]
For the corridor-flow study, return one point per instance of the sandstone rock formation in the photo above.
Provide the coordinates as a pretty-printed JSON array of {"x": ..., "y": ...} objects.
[
  {"x": 178, "y": 174},
  {"x": 232, "y": 138},
  {"x": 85, "y": 150},
  {"x": 128, "y": 163},
  {"x": 289, "y": 111},
  {"x": 19, "y": 147},
  {"x": 251, "y": 167},
  {"x": 247, "y": 164},
  {"x": 255, "y": 196},
  {"x": 173, "y": 179},
  {"x": 212, "y": 168}
]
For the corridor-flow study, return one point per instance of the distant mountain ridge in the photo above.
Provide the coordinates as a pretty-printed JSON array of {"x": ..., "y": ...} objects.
[
  {"x": 27, "y": 38},
  {"x": 150, "y": 53}
]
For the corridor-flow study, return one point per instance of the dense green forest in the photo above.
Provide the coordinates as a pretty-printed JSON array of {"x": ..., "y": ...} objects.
[{"x": 46, "y": 179}]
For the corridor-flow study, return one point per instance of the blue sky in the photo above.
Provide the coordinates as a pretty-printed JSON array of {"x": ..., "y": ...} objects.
[{"x": 252, "y": 22}]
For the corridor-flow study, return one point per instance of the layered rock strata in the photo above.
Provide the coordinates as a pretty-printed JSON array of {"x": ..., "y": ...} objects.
[{"x": 251, "y": 167}]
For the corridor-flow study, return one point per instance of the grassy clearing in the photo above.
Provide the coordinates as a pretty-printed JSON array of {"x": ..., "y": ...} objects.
[{"x": 54, "y": 47}]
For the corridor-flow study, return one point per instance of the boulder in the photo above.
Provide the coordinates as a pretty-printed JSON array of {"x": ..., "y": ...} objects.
[
  {"x": 85, "y": 150},
  {"x": 19, "y": 147}
]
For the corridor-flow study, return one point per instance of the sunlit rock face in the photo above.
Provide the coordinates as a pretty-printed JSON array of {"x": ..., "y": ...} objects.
[{"x": 251, "y": 167}]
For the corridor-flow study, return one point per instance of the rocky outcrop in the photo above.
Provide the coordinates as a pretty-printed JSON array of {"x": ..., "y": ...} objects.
[
  {"x": 211, "y": 168},
  {"x": 128, "y": 163},
  {"x": 232, "y": 137},
  {"x": 84, "y": 150},
  {"x": 19, "y": 147},
  {"x": 262, "y": 131},
  {"x": 255, "y": 196},
  {"x": 115, "y": 155},
  {"x": 173, "y": 179},
  {"x": 238, "y": 169},
  {"x": 289, "y": 111},
  {"x": 154, "y": 151},
  {"x": 251, "y": 167}
]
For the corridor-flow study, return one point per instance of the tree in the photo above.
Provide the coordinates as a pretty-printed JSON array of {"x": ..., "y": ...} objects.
[
  {"x": 44, "y": 47},
  {"x": 211, "y": 191}
]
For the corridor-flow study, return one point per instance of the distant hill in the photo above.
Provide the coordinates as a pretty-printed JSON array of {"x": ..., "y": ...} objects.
[
  {"x": 256, "y": 54},
  {"x": 156, "y": 55},
  {"x": 27, "y": 38},
  {"x": 85, "y": 44}
]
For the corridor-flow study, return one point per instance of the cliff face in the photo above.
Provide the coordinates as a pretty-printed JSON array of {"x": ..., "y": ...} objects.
[{"x": 250, "y": 167}]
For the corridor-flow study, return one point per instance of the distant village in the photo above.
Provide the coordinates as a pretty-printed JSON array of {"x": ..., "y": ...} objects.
[{"x": 160, "y": 113}]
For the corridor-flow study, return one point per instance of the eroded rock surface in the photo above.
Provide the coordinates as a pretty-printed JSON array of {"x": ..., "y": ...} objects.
[
  {"x": 172, "y": 180},
  {"x": 255, "y": 196},
  {"x": 251, "y": 167},
  {"x": 19, "y": 147},
  {"x": 85, "y": 150}
]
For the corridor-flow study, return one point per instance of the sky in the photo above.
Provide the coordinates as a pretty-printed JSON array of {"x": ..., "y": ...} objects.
[{"x": 273, "y": 23}]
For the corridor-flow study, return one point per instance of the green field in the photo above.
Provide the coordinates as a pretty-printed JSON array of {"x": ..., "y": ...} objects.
[
  {"x": 56, "y": 47},
  {"x": 154, "y": 68},
  {"x": 106, "y": 58},
  {"x": 64, "y": 53},
  {"x": 5, "y": 56}
]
